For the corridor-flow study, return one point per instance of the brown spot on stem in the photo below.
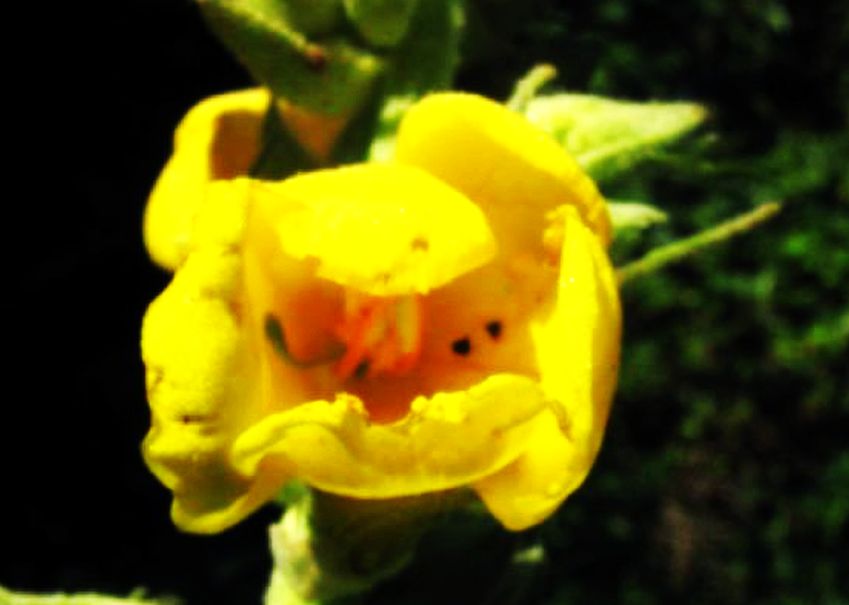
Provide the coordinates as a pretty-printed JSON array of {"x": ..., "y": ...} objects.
[{"x": 316, "y": 57}]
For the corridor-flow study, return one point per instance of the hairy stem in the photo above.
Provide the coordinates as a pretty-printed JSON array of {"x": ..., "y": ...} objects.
[{"x": 676, "y": 251}]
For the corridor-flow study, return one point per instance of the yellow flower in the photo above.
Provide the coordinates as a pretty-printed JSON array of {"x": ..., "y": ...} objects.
[{"x": 449, "y": 318}]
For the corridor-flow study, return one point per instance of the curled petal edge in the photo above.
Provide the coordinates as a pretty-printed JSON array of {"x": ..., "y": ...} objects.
[
  {"x": 449, "y": 440},
  {"x": 577, "y": 345},
  {"x": 217, "y": 139}
]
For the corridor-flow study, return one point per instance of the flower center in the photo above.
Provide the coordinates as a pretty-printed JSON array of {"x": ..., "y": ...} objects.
[{"x": 381, "y": 335}]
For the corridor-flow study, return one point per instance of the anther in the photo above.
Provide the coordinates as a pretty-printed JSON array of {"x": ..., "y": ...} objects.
[
  {"x": 493, "y": 328},
  {"x": 462, "y": 346}
]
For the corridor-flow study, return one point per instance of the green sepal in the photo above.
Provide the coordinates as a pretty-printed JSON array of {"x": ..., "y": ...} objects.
[
  {"x": 382, "y": 23},
  {"x": 292, "y": 492},
  {"x": 281, "y": 155},
  {"x": 333, "y": 77},
  {"x": 312, "y": 17},
  {"x": 627, "y": 215},
  {"x": 428, "y": 57},
  {"x": 355, "y": 141},
  {"x": 607, "y": 136},
  {"x": 425, "y": 61}
]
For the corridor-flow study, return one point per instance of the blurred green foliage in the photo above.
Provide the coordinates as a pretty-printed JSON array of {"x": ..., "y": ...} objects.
[{"x": 725, "y": 474}]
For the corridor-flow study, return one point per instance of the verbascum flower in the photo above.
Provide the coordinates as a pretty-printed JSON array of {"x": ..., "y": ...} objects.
[{"x": 443, "y": 320}]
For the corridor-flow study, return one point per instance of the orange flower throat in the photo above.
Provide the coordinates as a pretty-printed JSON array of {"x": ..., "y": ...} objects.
[{"x": 381, "y": 335}]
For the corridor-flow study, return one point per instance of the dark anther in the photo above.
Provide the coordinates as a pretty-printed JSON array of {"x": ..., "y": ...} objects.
[
  {"x": 274, "y": 334},
  {"x": 493, "y": 328},
  {"x": 462, "y": 346},
  {"x": 362, "y": 369},
  {"x": 420, "y": 243}
]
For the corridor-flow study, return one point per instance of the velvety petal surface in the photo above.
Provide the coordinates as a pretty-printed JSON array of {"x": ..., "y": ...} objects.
[{"x": 201, "y": 370}]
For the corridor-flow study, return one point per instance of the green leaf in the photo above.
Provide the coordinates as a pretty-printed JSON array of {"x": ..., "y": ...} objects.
[
  {"x": 607, "y": 136},
  {"x": 332, "y": 77},
  {"x": 8, "y": 597},
  {"x": 381, "y": 22}
]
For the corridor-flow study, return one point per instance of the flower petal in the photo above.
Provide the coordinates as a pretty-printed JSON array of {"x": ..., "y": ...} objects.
[
  {"x": 446, "y": 441},
  {"x": 224, "y": 441},
  {"x": 519, "y": 373},
  {"x": 200, "y": 371},
  {"x": 577, "y": 347},
  {"x": 514, "y": 171},
  {"x": 382, "y": 229},
  {"x": 217, "y": 139}
]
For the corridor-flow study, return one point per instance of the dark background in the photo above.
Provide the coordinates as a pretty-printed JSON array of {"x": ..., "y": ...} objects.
[{"x": 725, "y": 474}]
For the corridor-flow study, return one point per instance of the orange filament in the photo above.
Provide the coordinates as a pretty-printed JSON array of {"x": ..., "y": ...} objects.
[
  {"x": 381, "y": 335},
  {"x": 552, "y": 237}
]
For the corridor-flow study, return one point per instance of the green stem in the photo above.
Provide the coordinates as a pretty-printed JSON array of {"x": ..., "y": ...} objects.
[
  {"x": 328, "y": 548},
  {"x": 670, "y": 253}
]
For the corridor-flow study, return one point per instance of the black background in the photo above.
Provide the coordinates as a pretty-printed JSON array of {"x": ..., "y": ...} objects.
[{"x": 95, "y": 103}]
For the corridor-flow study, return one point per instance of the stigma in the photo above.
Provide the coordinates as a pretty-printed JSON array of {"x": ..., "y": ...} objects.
[{"x": 381, "y": 335}]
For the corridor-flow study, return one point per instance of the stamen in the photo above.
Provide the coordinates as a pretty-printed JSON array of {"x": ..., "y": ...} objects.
[
  {"x": 552, "y": 237},
  {"x": 381, "y": 336}
]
